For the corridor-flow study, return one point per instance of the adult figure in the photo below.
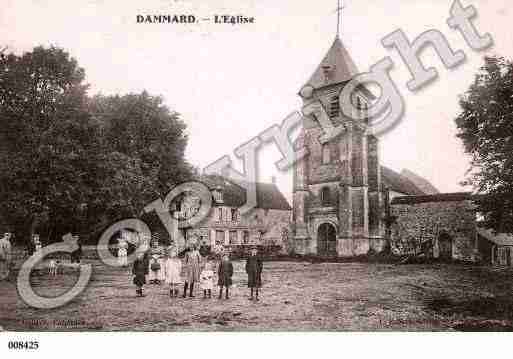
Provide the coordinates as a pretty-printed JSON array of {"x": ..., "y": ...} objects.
[
  {"x": 31, "y": 245},
  {"x": 37, "y": 242},
  {"x": 5, "y": 256},
  {"x": 76, "y": 255},
  {"x": 254, "y": 271},
  {"x": 192, "y": 270}
]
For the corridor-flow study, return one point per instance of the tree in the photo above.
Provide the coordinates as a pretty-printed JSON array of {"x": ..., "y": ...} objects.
[
  {"x": 47, "y": 138},
  {"x": 485, "y": 126},
  {"x": 70, "y": 162},
  {"x": 140, "y": 126}
]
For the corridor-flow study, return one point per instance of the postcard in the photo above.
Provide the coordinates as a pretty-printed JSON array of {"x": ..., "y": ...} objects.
[{"x": 255, "y": 166}]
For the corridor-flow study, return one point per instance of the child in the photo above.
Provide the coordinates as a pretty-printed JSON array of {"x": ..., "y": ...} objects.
[
  {"x": 207, "y": 280},
  {"x": 172, "y": 272},
  {"x": 139, "y": 270},
  {"x": 155, "y": 269},
  {"x": 254, "y": 271},
  {"x": 122, "y": 252},
  {"x": 225, "y": 273}
]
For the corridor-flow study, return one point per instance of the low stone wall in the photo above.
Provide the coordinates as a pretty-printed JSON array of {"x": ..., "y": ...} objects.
[{"x": 420, "y": 222}]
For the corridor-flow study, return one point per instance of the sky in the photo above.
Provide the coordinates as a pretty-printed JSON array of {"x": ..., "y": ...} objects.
[{"x": 231, "y": 82}]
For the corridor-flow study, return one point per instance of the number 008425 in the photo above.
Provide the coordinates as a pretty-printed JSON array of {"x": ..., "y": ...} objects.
[{"x": 21, "y": 345}]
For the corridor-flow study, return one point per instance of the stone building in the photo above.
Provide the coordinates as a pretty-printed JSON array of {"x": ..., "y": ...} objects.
[
  {"x": 495, "y": 248},
  {"x": 345, "y": 203},
  {"x": 340, "y": 187},
  {"x": 225, "y": 225},
  {"x": 440, "y": 226}
]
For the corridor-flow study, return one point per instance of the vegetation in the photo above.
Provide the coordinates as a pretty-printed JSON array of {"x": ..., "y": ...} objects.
[
  {"x": 485, "y": 126},
  {"x": 69, "y": 161}
]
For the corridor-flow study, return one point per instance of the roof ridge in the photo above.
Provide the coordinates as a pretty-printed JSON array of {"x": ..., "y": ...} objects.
[{"x": 336, "y": 66}]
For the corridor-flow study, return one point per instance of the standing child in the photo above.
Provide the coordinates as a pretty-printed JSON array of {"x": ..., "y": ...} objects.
[
  {"x": 172, "y": 272},
  {"x": 207, "y": 280},
  {"x": 122, "y": 252},
  {"x": 254, "y": 271},
  {"x": 139, "y": 270},
  {"x": 155, "y": 272},
  {"x": 225, "y": 273}
]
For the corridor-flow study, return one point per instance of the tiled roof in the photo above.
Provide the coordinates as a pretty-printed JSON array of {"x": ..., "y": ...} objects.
[
  {"x": 268, "y": 194},
  {"x": 501, "y": 239},
  {"x": 422, "y": 183},
  {"x": 440, "y": 197},
  {"x": 337, "y": 66},
  {"x": 398, "y": 183}
]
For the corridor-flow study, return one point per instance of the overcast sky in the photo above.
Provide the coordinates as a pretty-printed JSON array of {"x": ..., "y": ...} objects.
[{"x": 231, "y": 82}]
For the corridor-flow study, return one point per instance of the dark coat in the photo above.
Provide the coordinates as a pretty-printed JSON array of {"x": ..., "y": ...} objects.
[
  {"x": 76, "y": 255},
  {"x": 225, "y": 272},
  {"x": 139, "y": 270},
  {"x": 254, "y": 270}
]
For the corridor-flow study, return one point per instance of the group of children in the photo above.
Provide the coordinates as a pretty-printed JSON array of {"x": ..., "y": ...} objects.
[{"x": 194, "y": 269}]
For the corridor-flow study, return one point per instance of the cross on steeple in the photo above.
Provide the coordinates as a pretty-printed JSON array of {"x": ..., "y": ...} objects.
[{"x": 339, "y": 10}]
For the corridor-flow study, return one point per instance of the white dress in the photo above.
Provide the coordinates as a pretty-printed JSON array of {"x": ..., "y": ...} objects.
[
  {"x": 173, "y": 270},
  {"x": 207, "y": 279},
  {"x": 122, "y": 254}
]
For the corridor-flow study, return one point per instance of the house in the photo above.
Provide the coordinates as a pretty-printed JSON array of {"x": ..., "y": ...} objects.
[
  {"x": 267, "y": 224},
  {"x": 495, "y": 248}
]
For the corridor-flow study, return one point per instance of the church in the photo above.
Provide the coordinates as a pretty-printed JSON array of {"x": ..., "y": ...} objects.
[{"x": 346, "y": 204}]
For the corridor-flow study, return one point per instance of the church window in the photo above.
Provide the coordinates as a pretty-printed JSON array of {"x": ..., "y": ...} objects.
[
  {"x": 220, "y": 214},
  {"x": 325, "y": 196},
  {"x": 334, "y": 107},
  {"x": 326, "y": 156},
  {"x": 245, "y": 237}
]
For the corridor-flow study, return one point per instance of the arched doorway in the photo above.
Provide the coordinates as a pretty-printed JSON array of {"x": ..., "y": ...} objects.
[
  {"x": 326, "y": 240},
  {"x": 445, "y": 246}
]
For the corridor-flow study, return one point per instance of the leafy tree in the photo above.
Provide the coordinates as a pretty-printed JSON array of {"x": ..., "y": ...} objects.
[
  {"x": 69, "y": 162},
  {"x": 485, "y": 126},
  {"x": 141, "y": 126},
  {"x": 47, "y": 138}
]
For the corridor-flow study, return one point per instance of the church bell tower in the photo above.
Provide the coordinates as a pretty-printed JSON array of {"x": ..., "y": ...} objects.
[{"x": 337, "y": 186}]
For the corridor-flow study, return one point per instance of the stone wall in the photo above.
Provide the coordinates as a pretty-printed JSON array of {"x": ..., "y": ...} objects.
[{"x": 424, "y": 221}]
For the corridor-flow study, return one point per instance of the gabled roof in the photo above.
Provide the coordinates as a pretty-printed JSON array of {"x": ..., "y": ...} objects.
[
  {"x": 501, "y": 239},
  {"x": 422, "y": 183},
  {"x": 268, "y": 194},
  {"x": 337, "y": 66},
  {"x": 397, "y": 183}
]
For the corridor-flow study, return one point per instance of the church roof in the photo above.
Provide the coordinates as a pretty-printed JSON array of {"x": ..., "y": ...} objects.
[
  {"x": 398, "y": 183},
  {"x": 337, "y": 66},
  {"x": 422, "y": 183},
  {"x": 268, "y": 194},
  {"x": 439, "y": 197}
]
